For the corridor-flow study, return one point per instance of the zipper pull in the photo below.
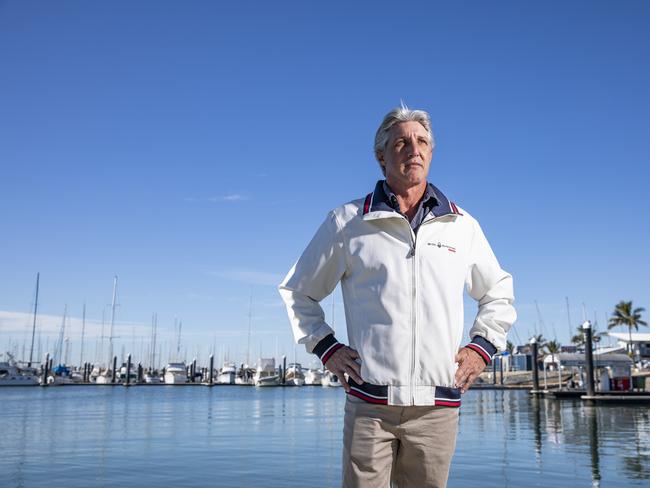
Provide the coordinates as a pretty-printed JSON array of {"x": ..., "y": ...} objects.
[{"x": 411, "y": 252}]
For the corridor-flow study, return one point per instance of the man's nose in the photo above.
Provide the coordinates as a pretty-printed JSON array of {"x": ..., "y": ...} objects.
[{"x": 414, "y": 149}]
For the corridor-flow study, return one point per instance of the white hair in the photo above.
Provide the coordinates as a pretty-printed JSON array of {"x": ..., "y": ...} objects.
[{"x": 397, "y": 116}]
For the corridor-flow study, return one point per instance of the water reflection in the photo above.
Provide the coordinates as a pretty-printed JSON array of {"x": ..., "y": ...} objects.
[
  {"x": 523, "y": 437},
  {"x": 236, "y": 436}
]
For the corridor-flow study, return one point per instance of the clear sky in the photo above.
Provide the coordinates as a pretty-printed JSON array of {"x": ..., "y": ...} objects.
[{"x": 193, "y": 148}]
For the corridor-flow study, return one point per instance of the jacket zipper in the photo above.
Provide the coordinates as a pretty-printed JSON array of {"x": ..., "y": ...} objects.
[
  {"x": 411, "y": 255},
  {"x": 414, "y": 307},
  {"x": 414, "y": 313}
]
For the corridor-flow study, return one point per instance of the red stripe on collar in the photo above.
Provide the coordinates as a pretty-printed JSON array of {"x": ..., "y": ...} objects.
[{"x": 366, "y": 204}]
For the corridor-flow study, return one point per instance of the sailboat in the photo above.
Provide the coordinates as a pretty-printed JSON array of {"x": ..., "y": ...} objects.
[
  {"x": 106, "y": 376},
  {"x": 176, "y": 372}
]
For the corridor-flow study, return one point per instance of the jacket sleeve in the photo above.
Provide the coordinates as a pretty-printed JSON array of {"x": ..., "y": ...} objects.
[
  {"x": 310, "y": 280},
  {"x": 492, "y": 287}
]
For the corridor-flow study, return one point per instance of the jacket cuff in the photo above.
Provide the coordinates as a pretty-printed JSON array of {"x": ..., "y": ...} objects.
[
  {"x": 326, "y": 347},
  {"x": 484, "y": 347}
]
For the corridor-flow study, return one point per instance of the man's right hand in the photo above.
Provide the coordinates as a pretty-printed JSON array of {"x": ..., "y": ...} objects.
[{"x": 343, "y": 361}]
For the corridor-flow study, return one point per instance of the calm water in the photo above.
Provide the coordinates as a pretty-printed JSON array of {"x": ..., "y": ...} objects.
[{"x": 238, "y": 436}]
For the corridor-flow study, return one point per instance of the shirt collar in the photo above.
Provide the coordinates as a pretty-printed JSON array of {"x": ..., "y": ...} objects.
[
  {"x": 429, "y": 200},
  {"x": 379, "y": 200}
]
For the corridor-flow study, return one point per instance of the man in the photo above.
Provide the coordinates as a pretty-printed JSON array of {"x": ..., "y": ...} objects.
[{"x": 403, "y": 255}]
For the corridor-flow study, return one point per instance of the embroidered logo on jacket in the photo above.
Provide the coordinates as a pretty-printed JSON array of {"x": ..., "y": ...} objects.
[{"x": 441, "y": 245}]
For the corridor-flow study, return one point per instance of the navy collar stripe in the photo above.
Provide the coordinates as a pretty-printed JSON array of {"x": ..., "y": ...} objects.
[{"x": 377, "y": 201}]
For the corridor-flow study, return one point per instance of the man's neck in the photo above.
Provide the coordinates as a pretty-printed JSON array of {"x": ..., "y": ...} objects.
[{"x": 408, "y": 197}]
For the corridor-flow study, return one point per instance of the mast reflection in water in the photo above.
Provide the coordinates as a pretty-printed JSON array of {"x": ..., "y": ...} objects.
[{"x": 291, "y": 437}]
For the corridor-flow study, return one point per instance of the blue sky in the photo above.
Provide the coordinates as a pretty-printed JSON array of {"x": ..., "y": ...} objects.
[{"x": 192, "y": 149}]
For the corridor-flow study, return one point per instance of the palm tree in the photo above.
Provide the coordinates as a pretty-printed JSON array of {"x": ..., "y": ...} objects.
[
  {"x": 553, "y": 347},
  {"x": 579, "y": 338},
  {"x": 510, "y": 347},
  {"x": 625, "y": 315}
]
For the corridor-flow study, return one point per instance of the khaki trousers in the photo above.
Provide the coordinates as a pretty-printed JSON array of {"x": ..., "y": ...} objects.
[{"x": 407, "y": 446}]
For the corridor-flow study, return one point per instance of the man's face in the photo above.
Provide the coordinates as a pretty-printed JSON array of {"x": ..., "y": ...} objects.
[{"x": 407, "y": 156}]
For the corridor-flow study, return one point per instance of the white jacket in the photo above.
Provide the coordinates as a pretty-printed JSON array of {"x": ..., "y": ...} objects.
[{"x": 403, "y": 296}]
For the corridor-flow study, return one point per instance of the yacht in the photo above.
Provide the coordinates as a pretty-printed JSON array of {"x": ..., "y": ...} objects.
[
  {"x": 104, "y": 377},
  {"x": 313, "y": 377},
  {"x": 11, "y": 375},
  {"x": 245, "y": 376},
  {"x": 265, "y": 375},
  {"x": 152, "y": 378},
  {"x": 176, "y": 373},
  {"x": 330, "y": 379},
  {"x": 60, "y": 375},
  {"x": 227, "y": 374},
  {"x": 294, "y": 376},
  {"x": 133, "y": 374}
]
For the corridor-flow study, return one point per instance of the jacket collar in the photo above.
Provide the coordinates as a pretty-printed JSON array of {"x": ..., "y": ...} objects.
[{"x": 377, "y": 204}]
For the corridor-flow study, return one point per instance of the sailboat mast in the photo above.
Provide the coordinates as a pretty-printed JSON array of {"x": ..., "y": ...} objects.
[
  {"x": 31, "y": 349},
  {"x": 58, "y": 353},
  {"x": 568, "y": 314},
  {"x": 248, "y": 343},
  {"x": 110, "y": 337},
  {"x": 154, "y": 326},
  {"x": 83, "y": 333}
]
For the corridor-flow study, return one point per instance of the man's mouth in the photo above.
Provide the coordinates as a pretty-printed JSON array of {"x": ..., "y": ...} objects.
[{"x": 413, "y": 165}]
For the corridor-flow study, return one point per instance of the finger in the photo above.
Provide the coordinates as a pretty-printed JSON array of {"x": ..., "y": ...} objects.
[
  {"x": 462, "y": 378},
  {"x": 344, "y": 383},
  {"x": 460, "y": 372},
  {"x": 353, "y": 354},
  {"x": 354, "y": 370},
  {"x": 468, "y": 383}
]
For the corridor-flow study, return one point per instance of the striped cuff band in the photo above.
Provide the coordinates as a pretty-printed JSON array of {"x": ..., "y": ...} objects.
[
  {"x": 483, "y": 347},
  {"x": 326, "y": 347}
]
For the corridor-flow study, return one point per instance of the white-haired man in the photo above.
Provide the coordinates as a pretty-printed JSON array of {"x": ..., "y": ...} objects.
[{"x": 403, "y": 255}]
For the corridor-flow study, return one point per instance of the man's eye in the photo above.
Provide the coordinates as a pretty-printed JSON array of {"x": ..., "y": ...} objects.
[{"x": 424, "y": 142}]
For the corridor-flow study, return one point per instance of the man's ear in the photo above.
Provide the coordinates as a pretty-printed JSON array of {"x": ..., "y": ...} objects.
[{"x": 380, "y": 157}]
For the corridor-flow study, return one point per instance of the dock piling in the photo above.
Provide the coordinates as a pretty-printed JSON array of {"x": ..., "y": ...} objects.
[
  {"x": 589, "y": 357},
  {"x": 114, "y": 369},
  {"x": 45, "y": 369},
  {"x": 501, "y": 370},
  {"x": 211, "y": 369},
  {"x": 284, "y": 369},
  {"x": 128, "y": 371},
  {"x": 534, "y": 347}
]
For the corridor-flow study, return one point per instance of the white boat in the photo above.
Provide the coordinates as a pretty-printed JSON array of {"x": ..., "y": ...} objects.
[
  {"x": 313, "y": 377},
  {"x": 265, "y": 375},
  {"x": 105, "y": 378},
  {"x": 294, "y": 376},
  {"x": 152, "y": 378},
  {"x": 60, "y": 375},
  {"x": 228, "y": 373},
  {"x": 133, "y": 374},
  {"x": 330, "y": 379},
  {"x": 176, "y": 373},
  {"x": 11, "y": 375}
]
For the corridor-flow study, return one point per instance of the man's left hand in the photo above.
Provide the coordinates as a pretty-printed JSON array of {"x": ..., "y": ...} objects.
[{"x": 470, "y": 365}]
